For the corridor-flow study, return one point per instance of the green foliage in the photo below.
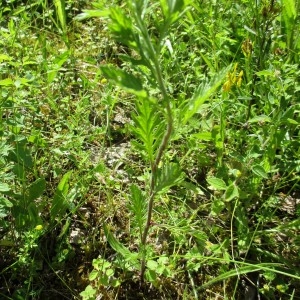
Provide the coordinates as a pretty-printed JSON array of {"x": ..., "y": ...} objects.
[
  {"x": 89, "y": 293},
  {"x": 60, "y": 201},
  {"x": 148, "y": 128},
  {"x": 124, "y": 80},
  {"x": 151, "y": 149},
  {"x": 57, "y": 65},
  {"x": 138, "y": 207},
  {"x": 203, "y": 93},
  {"x": 116, "y": 245},
  {"x": 169, "y": 175},
  {"x": 290, "y": 10},
  {"x": 122, "y": 27},
  {"x": 61, "y": 14}
]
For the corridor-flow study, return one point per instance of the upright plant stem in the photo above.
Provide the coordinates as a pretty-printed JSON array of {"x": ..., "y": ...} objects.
[
  {"x": 152, "y": 54},
  {"x": 156, "y": 70},
  {"x": 161, "y": 150}
]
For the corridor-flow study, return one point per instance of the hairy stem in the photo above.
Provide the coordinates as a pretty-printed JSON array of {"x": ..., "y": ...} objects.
[
  {"x": 157, "y": 73},
  {"x": 163, "y": 146}
]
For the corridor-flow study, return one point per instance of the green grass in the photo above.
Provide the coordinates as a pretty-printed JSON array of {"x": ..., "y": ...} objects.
[{"x": 149, "y": 149}]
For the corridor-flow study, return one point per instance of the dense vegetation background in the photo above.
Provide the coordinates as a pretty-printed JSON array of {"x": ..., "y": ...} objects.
[{"x": 149, "y": 149}]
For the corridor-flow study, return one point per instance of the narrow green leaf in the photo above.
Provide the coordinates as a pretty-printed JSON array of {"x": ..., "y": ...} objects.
[
  {"x": 65, "y": 229},
  {"x": 61, "y": 14},
  {"x": 132, "y": 258},
  {"x": 60, "y": 202},
  {"x": 28, "y": 6},
  {"x": 122, "y": 28},
  {"x": 259, "y": 171},
  {"x": 21, "y": 154},
  {"x": 241, "y": 219},
  {"x": 98, "y": 13},
  {"x": 127, "y": 81},
  {"x": 250, "y": 30},
  {"x": 261, "y": 118},
  {"x": 21, "y": 215},
  {"x": 289, "y": 15},
  {"x": 33, "y": 214},
  {"x": 57, "y": 65},
  {"x": 232, "y": 273},
  {"x": 289, "y": 9},
  {"x": 204, "y": 91},
  {"x": 292, "y": 121},
  {"x": 203, "y": 136},
  {"x": 173, "y": 9},
  {"x": 115, "y": 244},
  {"x": 138, "y": 207},
  {"x": 266, "y": 73},
  {"x": 170, "y": 175},
  {"x": 150, "y": 275},
  {"x": 216, "y": 183},
  {"x": 36, "y": 189},
  {"x": 5, "y": 203},
  {"x": 208, "y": 60},
  {"x": 19, "y": 171}
]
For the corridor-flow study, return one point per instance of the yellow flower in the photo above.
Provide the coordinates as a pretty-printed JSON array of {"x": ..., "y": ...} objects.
[
  {"x": 39, "y": 227},
  {"x": 233, "y": 79},
  {"x": 240, "y": 78},
  {"x": 234, "y": 68},
  {"x": 227, "y": 86}
]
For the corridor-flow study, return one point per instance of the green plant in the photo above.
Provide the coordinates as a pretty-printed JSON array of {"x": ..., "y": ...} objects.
[
  {"x": 160, "y": 139},
  {"x": 30, "y": 169},
  {"x": 290, "y": 13},
  {"x": 103, "y": 275},
  {"x": 154, "y": 118}
]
